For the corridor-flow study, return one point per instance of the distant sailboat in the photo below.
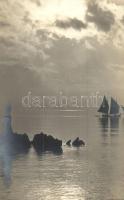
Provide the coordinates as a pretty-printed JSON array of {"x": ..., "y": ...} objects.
[
  {"x": 112, "y": 110},
  {"x": 104, "y": 108}
]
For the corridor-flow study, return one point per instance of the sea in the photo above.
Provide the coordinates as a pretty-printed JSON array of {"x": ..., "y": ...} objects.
[{"x": 92, "y": 172}]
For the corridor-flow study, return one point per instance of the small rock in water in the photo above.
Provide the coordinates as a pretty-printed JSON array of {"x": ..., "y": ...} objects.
[
  {"x": 77, "y": 142},
  {"x": 68, "y": 143}
]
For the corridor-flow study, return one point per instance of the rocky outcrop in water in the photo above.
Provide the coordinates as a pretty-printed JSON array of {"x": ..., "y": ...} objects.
[
  {"x": 16, "y": 143},
  {"x": 77, "y": 142},
  {"x": 20, "y": 142},
  {"x": 68, "y": 143},
  {"x": 43, "y": 142}
]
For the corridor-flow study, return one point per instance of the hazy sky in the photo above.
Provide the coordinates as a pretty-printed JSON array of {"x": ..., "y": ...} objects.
[{"x": 48, "y": 46}]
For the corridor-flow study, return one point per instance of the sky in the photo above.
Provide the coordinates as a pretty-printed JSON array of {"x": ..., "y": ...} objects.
[{"x": 70, "y": 46}]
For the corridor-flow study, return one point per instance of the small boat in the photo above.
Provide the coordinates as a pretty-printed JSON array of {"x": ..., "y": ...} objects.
[{"x": 109, "y": 110}]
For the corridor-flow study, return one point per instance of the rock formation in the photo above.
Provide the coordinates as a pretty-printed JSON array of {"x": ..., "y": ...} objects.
[
  {"x": 43, "y": 142},
  {"x": 77, "y": 142}
]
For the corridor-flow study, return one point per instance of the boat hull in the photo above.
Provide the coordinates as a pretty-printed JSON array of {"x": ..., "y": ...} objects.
[{"x": 110, "y": 115}]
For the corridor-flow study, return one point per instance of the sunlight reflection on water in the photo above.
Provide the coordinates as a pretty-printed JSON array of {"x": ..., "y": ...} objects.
[
  {"x": 63, "y": 191},
  {"x": 94, "y": 172}
]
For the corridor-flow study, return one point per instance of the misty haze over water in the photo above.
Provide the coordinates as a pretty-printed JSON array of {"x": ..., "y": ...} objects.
[{"x": 91, "y": 172}]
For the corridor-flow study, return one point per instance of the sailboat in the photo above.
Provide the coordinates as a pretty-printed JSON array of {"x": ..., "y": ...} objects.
[{"x": 109, "y": 110}]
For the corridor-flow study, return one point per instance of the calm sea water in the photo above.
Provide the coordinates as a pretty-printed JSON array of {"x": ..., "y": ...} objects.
[{"x": 93, "y": 172}]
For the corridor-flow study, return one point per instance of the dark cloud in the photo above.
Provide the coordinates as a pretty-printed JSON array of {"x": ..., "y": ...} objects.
[
  {"x": 4, "y": 24},
  {"x": 118, "y": 2},
  {"x": 71, "y": 23},
  {"x": 27, "y": 19},
  {"x": 43, "y": 34},
  {"x": 8, "y": 42},
  {"x": 37, "y": 2},
  {"x": 103, "y": 19},
  {"x": 122, "y": 20}
]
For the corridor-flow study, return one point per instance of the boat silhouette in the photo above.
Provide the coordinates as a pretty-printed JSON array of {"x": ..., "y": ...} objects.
[{"x": 111, "y": 109}]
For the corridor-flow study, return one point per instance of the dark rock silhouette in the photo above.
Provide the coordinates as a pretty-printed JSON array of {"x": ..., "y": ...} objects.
[
  {"x": 43, "y": 142},
  {"x": 77, "y": 142},
  {"x": 68, "y": 143},
  {"x": 12, "y": 145},
  {"x": 20, "y": 142}
]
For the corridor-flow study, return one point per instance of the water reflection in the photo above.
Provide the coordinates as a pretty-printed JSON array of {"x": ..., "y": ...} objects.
[
  {"x": 109, "y": 125},
  {"x": 104, "y": 124},
  {"x": 105, "y": 160},
  {"x": 7, "y": 155},
  {"x": 64, "y": 190},
  {"x": 13, "y": 145},
  {"x": 114, "y": 124},
  {"x": 55, "y": 152}
]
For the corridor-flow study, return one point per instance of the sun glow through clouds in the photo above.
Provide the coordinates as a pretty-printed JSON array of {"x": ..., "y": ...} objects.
[{"x": 53, "y": 9}]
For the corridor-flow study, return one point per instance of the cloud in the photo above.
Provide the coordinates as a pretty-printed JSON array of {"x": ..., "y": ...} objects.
[
  {"x": 102, "y": 18},
  {"x": 54, "y": 63},
  {"x": 4, "y": 24},
  {"x": 71, "y": 23},
  {"x": 42, "y": 34},
  {"x": 27, "y": 19},
  {"x": 117, "y": 67},
  {"x": 37, "y": 2},
  {"x": 118, "y": 2},
  {"x": 122, "y": 20},
  {"x": 77, "y": 64}
]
